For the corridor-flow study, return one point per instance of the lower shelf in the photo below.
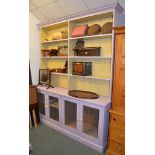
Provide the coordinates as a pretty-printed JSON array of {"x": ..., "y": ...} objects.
[
  {"x": 71, "y": 124},
  {"x": 55, "y": 105},
  {"x": 90, "y": 130}
]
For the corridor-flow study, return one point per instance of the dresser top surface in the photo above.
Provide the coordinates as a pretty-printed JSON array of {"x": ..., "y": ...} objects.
[{"x": 102, "y": 101}]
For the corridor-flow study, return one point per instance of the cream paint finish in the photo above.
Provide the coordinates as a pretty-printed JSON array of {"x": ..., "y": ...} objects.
[
  {"x": 34, "y": 47},
  {"x": 101, "y": 68}
]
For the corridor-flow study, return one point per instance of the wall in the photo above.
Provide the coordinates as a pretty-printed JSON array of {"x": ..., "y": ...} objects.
[{"x": 34, "y": 47}]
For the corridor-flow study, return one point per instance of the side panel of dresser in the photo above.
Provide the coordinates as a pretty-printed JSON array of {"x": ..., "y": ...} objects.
[{"x": 116, "y": 140}]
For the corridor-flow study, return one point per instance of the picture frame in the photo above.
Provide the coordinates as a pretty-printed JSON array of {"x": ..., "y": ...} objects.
[{"x": 45, "y": 77}]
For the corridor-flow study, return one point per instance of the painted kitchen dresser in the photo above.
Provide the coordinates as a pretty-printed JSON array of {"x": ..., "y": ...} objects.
[{"x": 85, "y": 120}]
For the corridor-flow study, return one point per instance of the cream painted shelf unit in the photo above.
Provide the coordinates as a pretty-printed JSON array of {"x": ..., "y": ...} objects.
[{"x": 102, "y": 66}]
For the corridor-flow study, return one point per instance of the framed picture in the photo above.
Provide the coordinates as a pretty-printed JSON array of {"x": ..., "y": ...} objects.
[{"x": 44, "y": 77}]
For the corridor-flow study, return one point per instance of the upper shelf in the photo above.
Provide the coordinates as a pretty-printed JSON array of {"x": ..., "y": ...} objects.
[
  {"x": 53, "y": 41},
  {"x": 93, "y": 36},
  {"x": 77, "y": 57},
  {"x": 82, "y": 37},
  {"x": 90, "y": 57},
  {"x": 56, "y": 73},
  {"x": 92, "y": 77},
  {"x": 55, "y": 57}
]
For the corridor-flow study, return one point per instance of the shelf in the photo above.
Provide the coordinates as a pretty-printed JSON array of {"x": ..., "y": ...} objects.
[
  {"x": 55, "y": 57},
  {"x": 59, "y": 73},
  {"x": 72, "y": 124},
  {"x": 78, "y": 57},
  {"x": 93, "y": 36},
  {"x": 90, "y": 57},
  {"x": 55, "y": 105},
  {"x": 102, "y": 100},
  {"x": 53, "y": 41},
  {"x": 92, "y": 77}
]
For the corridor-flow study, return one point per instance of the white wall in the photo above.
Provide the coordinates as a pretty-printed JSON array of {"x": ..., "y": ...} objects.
[{"x": 34, "y": 47}]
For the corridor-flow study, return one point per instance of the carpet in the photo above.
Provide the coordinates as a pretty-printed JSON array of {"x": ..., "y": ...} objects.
[{"x": 47, "y": 141}]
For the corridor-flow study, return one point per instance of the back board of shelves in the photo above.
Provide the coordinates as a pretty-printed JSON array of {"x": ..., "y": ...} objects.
[{"x": 102, "y": 66}]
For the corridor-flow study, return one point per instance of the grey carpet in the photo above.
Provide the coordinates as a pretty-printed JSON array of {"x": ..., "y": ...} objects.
[{"x": 46, "y": 141}]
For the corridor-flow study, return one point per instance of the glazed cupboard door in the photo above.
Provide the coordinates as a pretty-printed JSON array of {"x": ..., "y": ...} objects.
[
  {"x": 42, "y": 104},
  {"x": 54, "y": 108},
  {"x": 70, "y": 115},
  {"x": 90, "y": 120}
]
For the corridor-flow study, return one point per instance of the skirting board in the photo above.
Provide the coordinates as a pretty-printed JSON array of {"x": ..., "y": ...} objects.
[{"x": 75, "y": 137}]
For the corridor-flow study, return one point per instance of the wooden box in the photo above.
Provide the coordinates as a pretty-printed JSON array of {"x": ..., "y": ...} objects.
[
  {"x": 80, "y": 30},
  {"x": 82, "y": 68},
  {"x": 53, "y": 52},
  {"x": 88, "y": 51}
]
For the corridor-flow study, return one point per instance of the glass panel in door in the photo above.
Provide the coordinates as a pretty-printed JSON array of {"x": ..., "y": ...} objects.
[
  {"x": 70, "y": 114},
  {"x": 41, "y": 103},
  {"x": 54, "y": 108},
  {"x": 90, "y": 121}
]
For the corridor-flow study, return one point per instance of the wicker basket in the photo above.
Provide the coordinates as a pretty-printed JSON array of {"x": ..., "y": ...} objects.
[
  {"x": 94, "y": 29},
  {"x": 107, "y": 28}
]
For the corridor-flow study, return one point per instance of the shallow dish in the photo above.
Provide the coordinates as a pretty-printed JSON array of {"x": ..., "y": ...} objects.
[{"x": 83, "y": 94}]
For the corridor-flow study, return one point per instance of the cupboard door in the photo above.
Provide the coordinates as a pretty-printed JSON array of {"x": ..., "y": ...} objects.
[
  {"x": 90, "y": 121},
  {"x": 119, "y": 73},
  {"x": 41, "y": 102},
  {"x": 70, "y": 119},
  {"x": 90, "y": 118},
  {"x": 70, "y": 114},
  {"x": 54, "y": 108}
]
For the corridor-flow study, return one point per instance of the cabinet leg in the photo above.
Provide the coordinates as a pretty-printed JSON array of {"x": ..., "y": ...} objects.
[
  {"x": 34, "y": 118},
  {"x": 30, "y": 122}
]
